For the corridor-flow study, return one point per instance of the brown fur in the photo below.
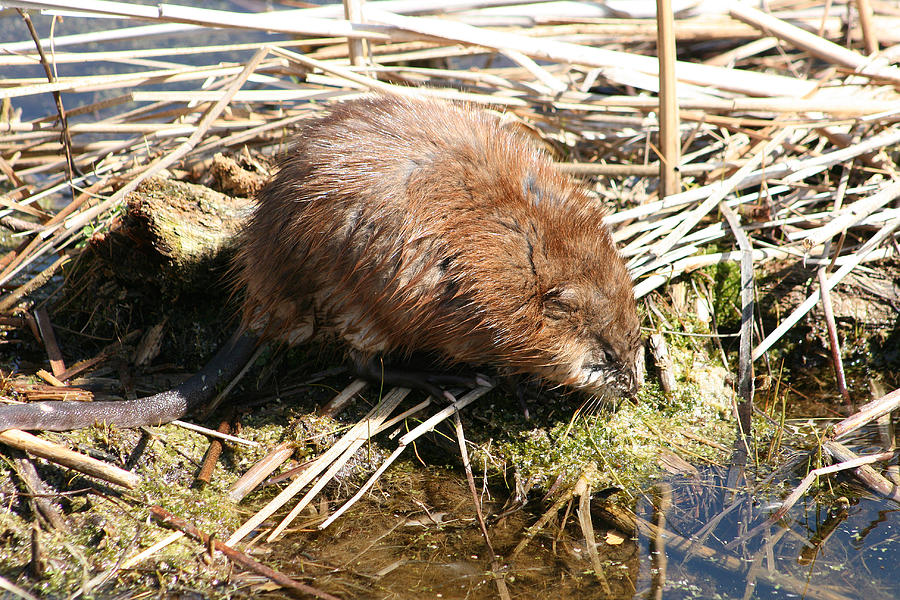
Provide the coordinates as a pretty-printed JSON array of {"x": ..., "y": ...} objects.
[{"x": 401, "y": 225}]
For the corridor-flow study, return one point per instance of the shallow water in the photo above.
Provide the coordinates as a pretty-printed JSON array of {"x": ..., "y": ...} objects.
[{"x": 416, "y": 536}]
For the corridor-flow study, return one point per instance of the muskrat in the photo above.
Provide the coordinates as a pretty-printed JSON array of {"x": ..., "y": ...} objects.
[{"x": 400, "y": 226}]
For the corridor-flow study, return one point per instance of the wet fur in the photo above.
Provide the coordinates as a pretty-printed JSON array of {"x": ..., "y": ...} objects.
[{"x": 399, "y": 225}]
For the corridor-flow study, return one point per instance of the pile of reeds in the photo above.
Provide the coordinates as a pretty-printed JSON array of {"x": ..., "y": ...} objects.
[{"x": 766, "y": 103}]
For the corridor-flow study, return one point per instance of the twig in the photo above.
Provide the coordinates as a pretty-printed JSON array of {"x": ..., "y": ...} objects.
[
  {"x": 53, "y": 353},
  {"x": 388, "y": 404},
  {"x": 745, "y": 364},
  {"x": 662, "y": 361},
  {"x": 104, "y": 354},
  {"x": 68, "y": 458},
  {"x": 834, "y": 342},
  {"x": 65, "y": 135},
  {"x": 213, "y": 452},
  {"x": 851, "y": 215},
  {"x": 866, "y": 474},
  {"x": 41, "y": 505},
  {"x": 169, "y": 520}
]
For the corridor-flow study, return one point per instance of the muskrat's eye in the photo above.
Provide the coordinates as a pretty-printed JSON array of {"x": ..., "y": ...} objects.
[
  {"x": 604, "y": 356},
  {"x": 559, "y": 302}
]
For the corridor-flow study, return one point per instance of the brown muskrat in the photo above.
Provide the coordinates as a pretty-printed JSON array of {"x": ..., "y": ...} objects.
[{"x": 400, "y": 226}]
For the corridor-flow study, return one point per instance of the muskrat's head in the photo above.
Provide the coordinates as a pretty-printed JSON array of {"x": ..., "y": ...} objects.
[{"x": 595, "y": 336}]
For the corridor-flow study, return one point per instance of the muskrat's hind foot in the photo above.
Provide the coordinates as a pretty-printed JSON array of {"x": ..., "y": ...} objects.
[{"x": 430, "y": 382}]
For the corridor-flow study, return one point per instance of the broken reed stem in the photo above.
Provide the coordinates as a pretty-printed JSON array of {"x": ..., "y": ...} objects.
[
  {"x": 182, "y": 150},
  {"x": 718, "y": 193},
  {"x": 745, "y": 364},
  {"x": 812, "y": 43},
  {"x": 867, "y": 413},
  {"x": 8, "y": 302},
  {"x": 735, "y": 80},
  {"x": 74, "y": 224},
  {"x": 863, "y": 471},
  {"x": 669, "y": 132},
  {"x": 848, "y": 461},
  {"x": 356, "y": 46},
  {"x": 337, "y": 404},
  {"x": 583, "y": 491},
  {"x": 151, "y": 550},
  {"x": 791, "y": 170},
  {"x": 496, "y": 566},
  {"x": 864, "y": 10},
  {"x": 421, "y": 429},
  {"x": 68, "y": 458},
  {"x": 388, "y": 404},
  {"x": 833, "y": 340},
  {"x": 665, "y": 370},
  {"x": 360, "y": 431},
  {"x": 213, "y": 433},
  {"x": 259, "y": 471}
]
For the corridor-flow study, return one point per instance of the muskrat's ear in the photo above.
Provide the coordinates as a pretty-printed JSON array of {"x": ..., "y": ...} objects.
[{"x": 560, "y": 301}]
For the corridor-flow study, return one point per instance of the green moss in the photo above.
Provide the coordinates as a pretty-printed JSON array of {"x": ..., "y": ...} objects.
[
  {"x": 621, "y": 447},
  {"x": 726, "y": 293}
]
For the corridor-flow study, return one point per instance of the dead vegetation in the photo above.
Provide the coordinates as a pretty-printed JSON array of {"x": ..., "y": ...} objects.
[{"x": 771, "y": 145}]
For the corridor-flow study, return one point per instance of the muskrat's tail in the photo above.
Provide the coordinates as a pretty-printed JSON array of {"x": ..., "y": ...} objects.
[{"x": 152, "y": 410}]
